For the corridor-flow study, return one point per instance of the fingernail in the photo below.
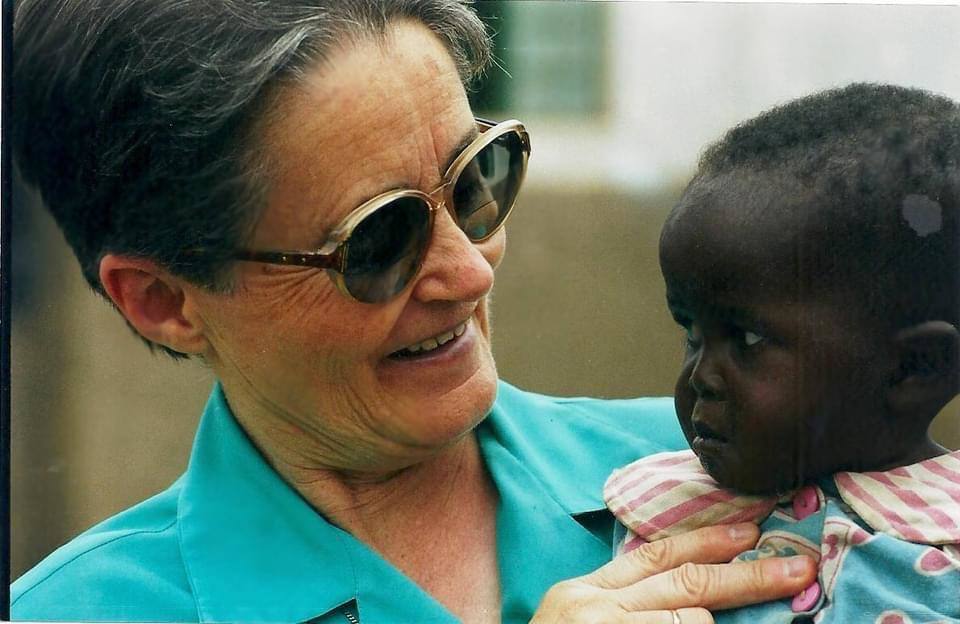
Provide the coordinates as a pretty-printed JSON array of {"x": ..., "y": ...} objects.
[
  {"x": 795, "y": 567},
  {"x": 739, "y": 532}
]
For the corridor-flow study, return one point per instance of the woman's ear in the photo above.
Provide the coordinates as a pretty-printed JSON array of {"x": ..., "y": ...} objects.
[
  {"x": 929, "y": 367},
  {"x": 154, "y": 302}
]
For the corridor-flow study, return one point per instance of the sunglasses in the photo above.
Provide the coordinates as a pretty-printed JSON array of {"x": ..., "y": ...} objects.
[{"x": 377, "y": 249}]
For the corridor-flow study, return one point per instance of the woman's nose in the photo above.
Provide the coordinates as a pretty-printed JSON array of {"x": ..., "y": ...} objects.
[
  {"x": 456, "y": 269},
  {"x": 706, "y": 378}
]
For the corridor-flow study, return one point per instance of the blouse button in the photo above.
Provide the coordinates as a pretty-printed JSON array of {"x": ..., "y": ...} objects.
[
  {"x": 807, "y": 599},
  {"x": 805, "y": 502}
]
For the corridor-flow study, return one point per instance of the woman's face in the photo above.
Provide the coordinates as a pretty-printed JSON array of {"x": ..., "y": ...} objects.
[{"x": 310, "y": 367}]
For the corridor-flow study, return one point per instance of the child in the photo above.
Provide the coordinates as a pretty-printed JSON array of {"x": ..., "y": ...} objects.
[{"x": 813, "y": 262}]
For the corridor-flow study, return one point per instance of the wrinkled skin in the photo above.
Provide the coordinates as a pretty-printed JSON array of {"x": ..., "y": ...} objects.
[{"x": 300, "y": 362}]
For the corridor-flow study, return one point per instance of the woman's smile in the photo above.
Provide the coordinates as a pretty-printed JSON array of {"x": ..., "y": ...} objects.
[
  {"x": 427, "y": 347},
  {"x": 442, "y": 366}
]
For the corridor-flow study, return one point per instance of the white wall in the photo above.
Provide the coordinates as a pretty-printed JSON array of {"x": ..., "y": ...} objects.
[{"x": 681, "y": 73}]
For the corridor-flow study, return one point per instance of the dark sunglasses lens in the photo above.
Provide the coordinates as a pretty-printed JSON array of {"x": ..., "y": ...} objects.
[
  {"x": 385, "y": 249},
  {"x": 488, "y": 185}
]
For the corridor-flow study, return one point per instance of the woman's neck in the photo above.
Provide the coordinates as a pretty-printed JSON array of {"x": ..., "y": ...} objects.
[
  {"x": 430, "y": 512},
  {"x": 376, "y": 507},
  {"x": 434, "y": 520}
]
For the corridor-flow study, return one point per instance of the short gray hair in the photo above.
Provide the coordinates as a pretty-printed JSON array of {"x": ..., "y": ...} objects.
[{"x": 133, "y": 117}]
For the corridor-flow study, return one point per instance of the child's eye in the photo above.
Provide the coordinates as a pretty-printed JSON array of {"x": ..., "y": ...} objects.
[{"x": 750, "y": 338}]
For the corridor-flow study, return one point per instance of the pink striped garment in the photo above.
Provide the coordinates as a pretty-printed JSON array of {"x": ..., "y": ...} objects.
[
  {"x": 670, "y": 493},
  {"x": 918, "y": 503}
]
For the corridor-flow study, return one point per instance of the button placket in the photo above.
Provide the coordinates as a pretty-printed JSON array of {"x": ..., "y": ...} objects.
[{"x": 806, "y": 502}]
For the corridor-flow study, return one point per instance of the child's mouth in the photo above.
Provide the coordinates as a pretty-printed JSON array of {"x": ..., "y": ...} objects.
[
  {"x": 710, "y": 446},
  {"x": 707, "y": 433}
]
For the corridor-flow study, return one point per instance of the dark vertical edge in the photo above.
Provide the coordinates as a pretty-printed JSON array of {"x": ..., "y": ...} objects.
[{"x": 5, "y": 292}]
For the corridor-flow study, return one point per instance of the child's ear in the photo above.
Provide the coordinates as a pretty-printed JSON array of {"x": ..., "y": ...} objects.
[{"x": 928, "y": 375}]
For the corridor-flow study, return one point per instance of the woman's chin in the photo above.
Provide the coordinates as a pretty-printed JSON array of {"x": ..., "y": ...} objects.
[
  {"x": 437, "y": 414},
  {"x": 462, "y": 409}
]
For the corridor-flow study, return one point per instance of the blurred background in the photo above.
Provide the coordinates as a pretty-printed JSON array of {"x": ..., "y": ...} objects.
[{"x": 618, "y": 97}]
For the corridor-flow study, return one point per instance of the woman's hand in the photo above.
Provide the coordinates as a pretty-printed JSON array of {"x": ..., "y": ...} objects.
[{"x": 684, "y": 574}]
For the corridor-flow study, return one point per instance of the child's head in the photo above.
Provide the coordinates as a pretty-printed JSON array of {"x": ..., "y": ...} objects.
[{"x": 814, "y": 263}]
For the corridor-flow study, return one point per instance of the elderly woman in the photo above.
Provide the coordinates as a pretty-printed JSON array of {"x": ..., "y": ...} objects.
[{"x": 297, "y": 194}]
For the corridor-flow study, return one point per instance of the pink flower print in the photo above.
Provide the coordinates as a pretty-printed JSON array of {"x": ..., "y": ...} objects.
[
  {"x": 831, "y": 540},
  {"x": 933, "y": 562},
  {"x": 839, "y": 536},
  {"x": 893, "y": 617},
  {"x": 858, "y": 536}
]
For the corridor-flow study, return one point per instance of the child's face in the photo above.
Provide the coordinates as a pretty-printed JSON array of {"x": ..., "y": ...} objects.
[{"x": 780, "y": 384}]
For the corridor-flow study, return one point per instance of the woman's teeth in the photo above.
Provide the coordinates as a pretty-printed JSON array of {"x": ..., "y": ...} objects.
[{"x": 432, "y": 343}]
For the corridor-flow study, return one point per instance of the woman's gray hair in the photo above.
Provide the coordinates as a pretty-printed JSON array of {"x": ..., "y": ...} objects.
[{"x": 133, "y": 117}]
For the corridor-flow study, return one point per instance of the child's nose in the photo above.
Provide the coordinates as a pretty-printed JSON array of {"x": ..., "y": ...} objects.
[{"x": 706, "y": 378}]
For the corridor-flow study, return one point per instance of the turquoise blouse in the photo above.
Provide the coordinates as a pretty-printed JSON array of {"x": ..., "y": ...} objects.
[{"x": 230, "y": 541}]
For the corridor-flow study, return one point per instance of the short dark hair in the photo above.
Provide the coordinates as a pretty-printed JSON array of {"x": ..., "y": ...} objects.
[
  {"x": 879, "y": 165},
  {"x": 133, "y": 118}
]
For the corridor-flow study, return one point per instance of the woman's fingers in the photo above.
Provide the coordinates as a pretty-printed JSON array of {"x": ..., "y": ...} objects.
[
  {"x": 720, "y": 586},
  {"x": 680, "y": 573},
  {"x": 574, "y": 602},
  {"x": 692, "y": 616},
  {"x": 709, "y": 545},
  {"x": 684, "y": 616}
]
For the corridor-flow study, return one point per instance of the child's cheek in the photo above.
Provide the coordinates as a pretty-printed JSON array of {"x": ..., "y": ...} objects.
[{"x": 771, "y": 409}]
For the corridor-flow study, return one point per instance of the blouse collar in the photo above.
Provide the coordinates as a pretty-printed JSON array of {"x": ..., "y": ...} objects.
[{"x": 670, "y": 493}]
